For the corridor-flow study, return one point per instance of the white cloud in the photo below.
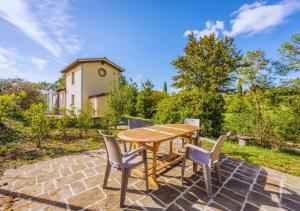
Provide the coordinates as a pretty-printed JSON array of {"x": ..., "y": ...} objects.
[
  {"x": 209, "y": 28},
  {"x": 252, "y": 18},
  {"x": 259, "y": 16},
  {"x": 10, "y": 63},
  {"x": 39, "y": 63},
  {"x": 46, "y": 22}
]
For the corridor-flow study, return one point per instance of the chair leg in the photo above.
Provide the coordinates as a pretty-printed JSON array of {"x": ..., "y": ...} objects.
[
  {"x": 125, "y": 175},
  {"x": 218, "y": 171},
  {"x": 146, "y": 170},
  {"x": 182, "y": 142},
  {"x": 107, "y": 172},
  {"x": 207, "y": 178},
  {"x": 125, "y": 147},
  {"x": 183, "y": 169}
]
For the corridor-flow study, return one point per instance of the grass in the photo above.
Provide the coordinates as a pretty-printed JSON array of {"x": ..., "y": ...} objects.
[
  {"x": 22, "y": 152},
  {"x": 285, "y": 161}
]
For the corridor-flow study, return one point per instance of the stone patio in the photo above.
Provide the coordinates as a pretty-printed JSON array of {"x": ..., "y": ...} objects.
[{"x": 75, "y": 182}]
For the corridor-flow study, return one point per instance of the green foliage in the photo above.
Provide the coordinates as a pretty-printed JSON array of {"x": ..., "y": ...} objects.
[
  {"x": 38, "y": 123},
  {"x": 28, "y": 93},
  {"x": 84, "y": 119},
  {"x": 207, "y": 106},
  {"x": 145, "y": 105},
  {"x": 8, "y": 106},
  {"x": 165, "y": 88},
  {"x": 207, "y": 64},
  {"x": 64, "y": 121},
  {"x": 290, "y": 53}
]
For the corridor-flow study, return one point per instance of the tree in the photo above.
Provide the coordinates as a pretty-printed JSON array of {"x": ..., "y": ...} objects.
[
  {"x": 290, "y": 53},
  {"x": 207, "y": 64},
  {"x": 165, "y": 88},
  {"x": 64, "y": 121},
  {"x": 145, "y": 102},
  {"x": 8, "y": 106},
  {"x": 38, "y": 123},
  {"x": 84, "y": 119},
  {"x": 205, "y": 70},
  {"x": 27, "y": 93}
]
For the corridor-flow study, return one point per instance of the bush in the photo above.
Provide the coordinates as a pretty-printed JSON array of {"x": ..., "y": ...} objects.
[
  {"x": 145, "y": 105},
  {"x": 38, "y": 123},
  {"x": 85, "y": 119},
  {"x": 64, "y": 121},
  {"x": 206, "y": 106},
  {"x": 8, "y": 107}
]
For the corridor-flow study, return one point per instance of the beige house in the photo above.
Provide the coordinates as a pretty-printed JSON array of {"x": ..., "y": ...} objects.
[{"x": 88, "y": 80}]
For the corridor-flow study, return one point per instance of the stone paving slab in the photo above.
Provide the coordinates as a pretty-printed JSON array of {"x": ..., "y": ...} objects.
[{"x": 75, "y": 183}]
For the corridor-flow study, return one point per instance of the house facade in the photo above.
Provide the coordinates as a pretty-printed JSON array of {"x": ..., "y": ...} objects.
[{"x": 88, "y": 80}]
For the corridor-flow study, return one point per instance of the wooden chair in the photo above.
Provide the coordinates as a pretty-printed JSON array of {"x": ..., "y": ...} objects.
[
  {"x": 207, "y": 159},
  {"x": 123, "y": 162}
]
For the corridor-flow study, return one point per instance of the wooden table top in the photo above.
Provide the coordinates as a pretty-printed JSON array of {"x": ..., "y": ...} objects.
[{"x": 157, "y": 133}]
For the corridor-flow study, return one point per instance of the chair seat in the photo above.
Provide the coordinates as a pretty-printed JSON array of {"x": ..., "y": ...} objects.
[
  {"x": 200, "y": 157},
  {"x": 131, "y": 161}
]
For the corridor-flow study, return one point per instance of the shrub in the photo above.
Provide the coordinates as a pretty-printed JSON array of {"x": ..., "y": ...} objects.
[
  {"x": 8, "y": 106},
  {"x": 64, "y": 121},
  {"x": 85, "y": 119},
  {"x": 145, "y": 105},
  {"x": 38, "y": 123}
]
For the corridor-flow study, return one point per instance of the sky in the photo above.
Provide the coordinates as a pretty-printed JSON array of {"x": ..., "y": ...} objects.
[{"x": 40, "y": 37}]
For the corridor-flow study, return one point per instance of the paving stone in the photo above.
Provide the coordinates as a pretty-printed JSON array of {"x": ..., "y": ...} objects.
[
  {"x": 85, "y": 198},
  {"x": 78, "y": 167},
  {"x": 250, "y": 207},
  {"x": 93, "y": 181},
  {"x": 291, "y": 193},
  {"x": 166, "y": 194},
  {"x": 77, "y": 187},
  {"x": 262, "y": 201},
  {"x": 173, "y": 207},
  {"x": 151, "y": 203},
  {"x": 238, "y": 186},
  {"x": 230, "y": 194},
  {"x": 89, "y": 172},
  {"x": 251, "y": 166},
  {"x": 30, "y": 191},
  {"x": 291, "y": 180},
  {"x": 294, "y": 205},
  {"x": 69, "y": 179},
  {"x": 227, "y": 202},
  {"x": 48, "y": 176},
  {"x": 201, "y": 184},
  {"x": 49, "y": 186},
  {"x": 268, "y": 181},
  {"x": 23, "y": 182},
  {"x": 267, "y": 191},
  {"x": 195, "y": 195},
  {"x": 65, "y": 171},
  {"x": 226, "y": 168},
  {"x": 185, "y": 205},
  {"x": 176, "y": 183},
  {"x": 243, "y": 178},
  {"x": 215, "y": 207}
]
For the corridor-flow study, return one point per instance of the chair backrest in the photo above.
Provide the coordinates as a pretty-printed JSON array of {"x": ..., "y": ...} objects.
[
  {"x": 218, "y": 147},
  {"x": 135, "y": 123},
  {"x": 194, "y": 122},
  {"x": 113, "y": 150}
]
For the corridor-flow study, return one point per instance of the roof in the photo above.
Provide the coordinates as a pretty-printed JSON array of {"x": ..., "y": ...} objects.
[
  {"x": 61, "y": 88},
  {"x": 82, "y": 60},
  {"x": 99, "y": 95}
]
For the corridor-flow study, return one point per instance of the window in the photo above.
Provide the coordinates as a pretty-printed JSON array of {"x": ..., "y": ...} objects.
[
  {"x": 72, "y": 99},
  {"x": 73, "y": 77}
]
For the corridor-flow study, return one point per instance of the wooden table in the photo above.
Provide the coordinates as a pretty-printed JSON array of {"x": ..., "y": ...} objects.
[{"x": 155, "y": 135}]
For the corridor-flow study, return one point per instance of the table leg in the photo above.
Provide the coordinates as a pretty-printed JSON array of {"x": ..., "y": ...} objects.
[
  {"x": 171, "y": 146},
  {"x": 153, "y": 181},
  {"x": 191, "y": 142}
]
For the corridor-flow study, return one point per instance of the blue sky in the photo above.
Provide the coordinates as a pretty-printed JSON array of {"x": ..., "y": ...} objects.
[{"x": 39, "y": 37}]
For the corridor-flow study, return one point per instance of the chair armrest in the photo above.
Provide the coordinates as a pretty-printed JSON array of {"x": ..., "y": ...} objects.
[
  {"x": 197, "y": 148},
  {"x": 208, "y": 140},
  {"x": 127, "y": 154}
]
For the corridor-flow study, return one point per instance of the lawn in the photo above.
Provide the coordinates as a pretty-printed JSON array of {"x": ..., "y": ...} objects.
[
  {"x": 16, "y": 153},
  {"x": 288, "y": 162}
]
